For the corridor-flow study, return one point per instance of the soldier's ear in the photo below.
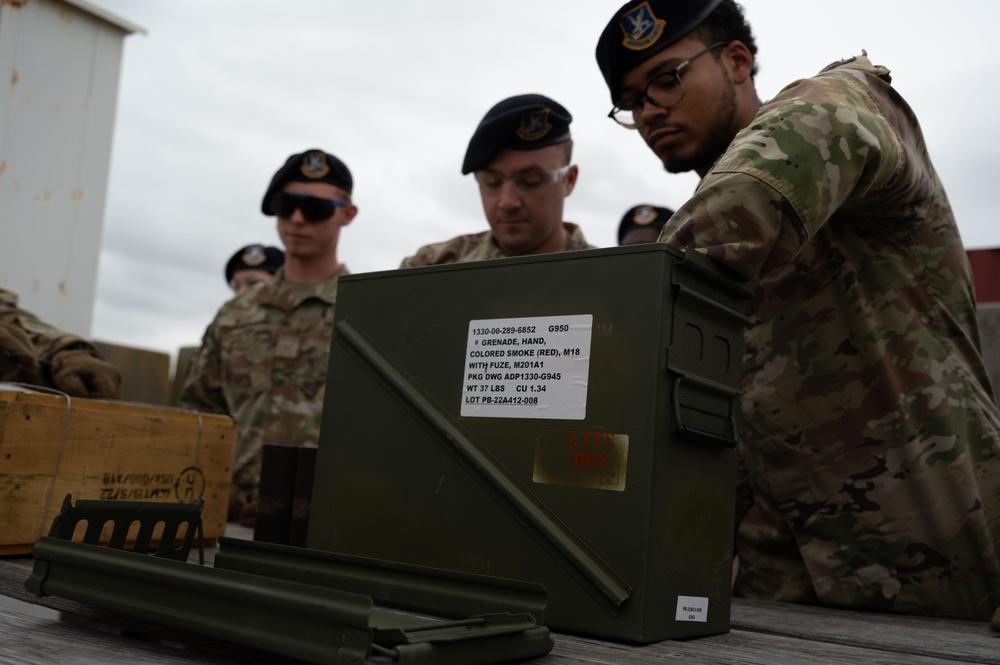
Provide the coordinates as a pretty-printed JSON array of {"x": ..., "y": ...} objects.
[
  {"x": 349, "y": 213},
  {"x": 571, "y": 176},
  {"x": 738, "y": 61}
]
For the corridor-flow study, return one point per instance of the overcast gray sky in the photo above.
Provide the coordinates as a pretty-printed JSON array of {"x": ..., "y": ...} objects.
[{"x": 218, "y": 93}]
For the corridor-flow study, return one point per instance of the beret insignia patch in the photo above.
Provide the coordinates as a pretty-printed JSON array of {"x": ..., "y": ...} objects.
[
  {"x": 641, "y": 27},
  {"x": 254, "y": 255},
  {"x": 314, "y": 165},
  {"x": 534, "y": 125},
  {"x": 644, "y": 215}
]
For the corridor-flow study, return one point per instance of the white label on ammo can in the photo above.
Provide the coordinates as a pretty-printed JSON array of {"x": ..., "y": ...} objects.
[
  {"x": 692, "y": 608},
  {"x": 532, "y": 367}
]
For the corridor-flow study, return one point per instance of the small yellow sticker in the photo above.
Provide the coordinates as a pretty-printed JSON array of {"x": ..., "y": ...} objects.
[{"x": 595, "y": 460}]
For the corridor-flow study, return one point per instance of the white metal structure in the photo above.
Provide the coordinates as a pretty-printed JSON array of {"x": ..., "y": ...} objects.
[{"x": 60, "y": 62}]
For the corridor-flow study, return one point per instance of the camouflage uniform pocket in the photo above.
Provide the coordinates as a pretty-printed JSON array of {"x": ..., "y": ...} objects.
[{"x": 247, "y": 352}]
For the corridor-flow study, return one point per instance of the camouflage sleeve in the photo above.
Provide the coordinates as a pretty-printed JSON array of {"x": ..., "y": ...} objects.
[
  {"x": 418, "y": 259},
  {"x": 8, "y": 304},
  {"x": 576, "y": 240},
  {"x": 203, "y": 385},
  {"x": 47, "y": 339},
  {"x": 455, "y": 250},
  {"x": 821, "y": 145},
  {"x": 429, "y": 255}
]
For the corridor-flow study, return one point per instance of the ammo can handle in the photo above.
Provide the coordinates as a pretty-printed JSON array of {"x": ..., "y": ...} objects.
[
  {"x": 707, "y": 437},
  {"x": 703, "y": 386}
]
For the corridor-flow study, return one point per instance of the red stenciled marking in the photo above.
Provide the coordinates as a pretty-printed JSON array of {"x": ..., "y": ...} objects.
[
  {"x": 594, "y": 439},
  {"x": 591, "y": 460}
]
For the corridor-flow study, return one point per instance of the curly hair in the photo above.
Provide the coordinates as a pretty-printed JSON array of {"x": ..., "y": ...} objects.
[{"x": 726, "y": 23}]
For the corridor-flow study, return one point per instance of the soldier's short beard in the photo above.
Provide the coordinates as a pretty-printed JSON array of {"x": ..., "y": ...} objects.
[{"x": 722, "y": 131}]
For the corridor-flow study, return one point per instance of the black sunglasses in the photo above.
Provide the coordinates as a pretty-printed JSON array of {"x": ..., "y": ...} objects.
[{"x": 314, "y": 209}]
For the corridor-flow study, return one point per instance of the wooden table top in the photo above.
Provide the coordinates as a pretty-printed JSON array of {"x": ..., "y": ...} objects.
[{"x": 762, "y": 632}]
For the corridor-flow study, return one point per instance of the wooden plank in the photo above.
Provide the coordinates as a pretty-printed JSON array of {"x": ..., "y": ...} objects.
[
  {"x": 29, "y": 640},
  {"x": 184, "y": 357},
  {"x": 145, "y": 373},
  {"x": 954, "y": 641},
  {"x": 738, "y": 647}
]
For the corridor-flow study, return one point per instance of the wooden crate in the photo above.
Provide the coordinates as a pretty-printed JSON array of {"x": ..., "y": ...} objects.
[
  {"x": 145, "y": 373},
  {"x": 96, "y": 449}
]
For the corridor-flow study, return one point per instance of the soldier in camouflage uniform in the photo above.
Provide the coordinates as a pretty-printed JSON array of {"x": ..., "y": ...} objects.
[
  {"x": 520, "y": 154},
  {"x": 870, "y": 431},
  {"x": 252, "y": 265},
  {"x": 263, "y": 359},
  {"x": 32, "y": 351}
]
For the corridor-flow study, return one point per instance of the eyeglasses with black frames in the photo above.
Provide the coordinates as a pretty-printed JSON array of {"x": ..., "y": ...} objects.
[
  {"x": 663, "y": 90},
  {"x": 314, "y": 209},
  {"x": 526, "y": 181}
]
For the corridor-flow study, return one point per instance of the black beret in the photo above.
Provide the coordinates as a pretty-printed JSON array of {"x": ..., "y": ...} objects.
[
  {"x": 310, "y": 166},
  {"x": 522, "y": 122},
  {"x": 255, "y": 257},
  {"x": 643, "y": 216},
  {"x": 643, "y": 28}
]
